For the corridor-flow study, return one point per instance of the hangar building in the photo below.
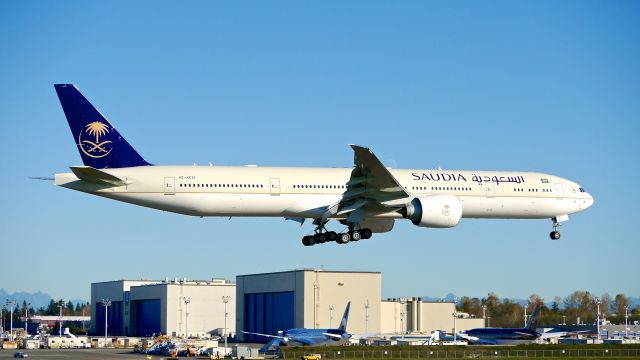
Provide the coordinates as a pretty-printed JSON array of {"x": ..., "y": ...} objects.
[
  {"x": 308, "y": 298},
  {"x": 179, "y": 307},
  {"x": 414, "y": 316}
]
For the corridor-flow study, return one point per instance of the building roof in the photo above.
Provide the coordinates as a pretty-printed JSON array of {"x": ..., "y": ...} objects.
[{"x": 312, "y": 270}]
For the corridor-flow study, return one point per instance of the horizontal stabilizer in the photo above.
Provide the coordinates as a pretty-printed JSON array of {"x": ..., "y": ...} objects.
[{"x": 93, "y": 175}]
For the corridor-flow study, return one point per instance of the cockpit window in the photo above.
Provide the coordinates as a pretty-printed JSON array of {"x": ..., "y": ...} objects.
[{"x": 581, "y": 190}]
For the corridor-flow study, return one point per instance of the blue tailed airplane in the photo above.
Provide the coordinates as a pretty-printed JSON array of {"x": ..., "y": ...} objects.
[
  {"x": 509, "y": 336},
  {"x": 311, "y": 337}
]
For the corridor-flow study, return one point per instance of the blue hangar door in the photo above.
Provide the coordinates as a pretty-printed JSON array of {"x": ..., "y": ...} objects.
[{"x": 267, "y": 313}]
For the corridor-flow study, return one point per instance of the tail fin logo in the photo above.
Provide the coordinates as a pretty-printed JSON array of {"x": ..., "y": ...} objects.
[{"x": 90, "y": 143}]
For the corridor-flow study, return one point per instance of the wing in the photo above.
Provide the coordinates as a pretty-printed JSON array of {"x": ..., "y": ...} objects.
[
  {"x": 335, "y": 336},
  {"x": 267, "y": 335},
  {"x": 468, "y": 337},
  {"x": 550, "y": 335},
  {"x": 371, "y": 190}
]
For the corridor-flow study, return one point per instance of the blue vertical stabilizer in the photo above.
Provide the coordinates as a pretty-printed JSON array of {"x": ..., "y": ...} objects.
[{"x": 99, "y": 143}]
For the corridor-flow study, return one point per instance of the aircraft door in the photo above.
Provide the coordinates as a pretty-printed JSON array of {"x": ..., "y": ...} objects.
[
  {"x": 559, "y": 191},
  {"x": 490, "y": 189},
  {"x": 169, "y": 185},
  {"x": 274, "y": 184}
]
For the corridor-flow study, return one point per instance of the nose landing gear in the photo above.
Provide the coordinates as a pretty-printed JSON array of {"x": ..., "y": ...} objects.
[{"x": 555, "y": 234}]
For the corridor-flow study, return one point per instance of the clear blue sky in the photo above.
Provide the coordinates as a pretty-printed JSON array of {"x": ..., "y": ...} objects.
[{"x": 520, "y": 85}]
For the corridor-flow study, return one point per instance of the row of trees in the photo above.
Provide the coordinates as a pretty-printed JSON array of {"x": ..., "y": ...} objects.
[{"x": 579, "y": 307}]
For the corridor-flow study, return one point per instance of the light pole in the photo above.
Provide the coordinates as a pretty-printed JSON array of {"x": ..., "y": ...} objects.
[
  {"x": 11, "y": 304},
  {"x": 2, "y": 319},
  {"x": 598, "y": 302},
  {"x": 330, "y": 316},
  {"x": 366, "y": 316},
  {"x": 455, "y": 316},
  {"x": 106, "y": 303},
  {"x": 315, "y": 304},
  {"x": 60, "y": 306},
  {"x": 525, "y": 315},
  {"x": 564, "y": 319},
  {"x": 402, "y": 313},
  {"x": 225, "y": 300},
  {"x": 187, "y": 300},
  {"x": 484, "y": 317},
  {"x": 26, "y": 316},
  {"x": 626, "y": 321}
]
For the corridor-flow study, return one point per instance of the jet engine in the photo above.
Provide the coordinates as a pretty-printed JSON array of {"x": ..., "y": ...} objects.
[{"x": 435, "y": 211}]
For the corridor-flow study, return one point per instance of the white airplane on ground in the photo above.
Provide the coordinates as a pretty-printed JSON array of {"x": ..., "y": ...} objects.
[{"x": 367, "y": 198}]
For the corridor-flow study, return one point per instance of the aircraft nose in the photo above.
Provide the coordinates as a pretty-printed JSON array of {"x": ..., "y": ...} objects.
[{"x": 588, "y": 200}]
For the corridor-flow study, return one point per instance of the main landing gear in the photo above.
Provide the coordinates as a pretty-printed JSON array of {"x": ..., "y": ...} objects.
[
  {"x": 322, "y": 236},
  {"x": 555, "y": 234}
]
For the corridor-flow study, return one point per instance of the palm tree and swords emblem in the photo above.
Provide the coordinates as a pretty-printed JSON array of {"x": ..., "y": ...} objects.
[{"x": 95, "y": 149}]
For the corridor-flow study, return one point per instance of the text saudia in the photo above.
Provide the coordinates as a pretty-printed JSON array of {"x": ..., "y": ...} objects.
[{"x": 459, "y": 177}]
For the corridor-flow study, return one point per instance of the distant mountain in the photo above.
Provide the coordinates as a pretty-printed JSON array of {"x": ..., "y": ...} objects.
[
  {"x": 37, "y": 299},
  {"x": 447, "y": 298}
]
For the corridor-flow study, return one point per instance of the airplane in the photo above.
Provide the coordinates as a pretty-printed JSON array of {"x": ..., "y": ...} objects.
[
  {"x": 312, "y": 337},
  {"x": 509, "y": 336},
  {"x": 367, "y": 198}
]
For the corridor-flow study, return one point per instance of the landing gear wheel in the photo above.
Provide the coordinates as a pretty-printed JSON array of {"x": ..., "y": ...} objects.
[
  {"x": 366, "y": 233},
  {"x": 555, "y": 234},
  {"x": 331, "y": 236},
  {"x": 355, "y": 235},
  {"x": 343, "y": 238},
  {"x": 320, "y": 238},
  {"x": 308, "y": 241}
]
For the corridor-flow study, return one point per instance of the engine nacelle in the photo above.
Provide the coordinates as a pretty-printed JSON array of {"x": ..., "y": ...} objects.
[{"x": 435, "y": 211}]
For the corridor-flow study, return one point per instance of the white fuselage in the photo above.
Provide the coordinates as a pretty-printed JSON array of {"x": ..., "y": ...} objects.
[{"x": 307, "y": 192}]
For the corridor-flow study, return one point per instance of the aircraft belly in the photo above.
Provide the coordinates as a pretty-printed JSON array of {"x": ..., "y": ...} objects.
[
  {"x": 212, "y": 204},
  {"x": 511, "y": 207}
]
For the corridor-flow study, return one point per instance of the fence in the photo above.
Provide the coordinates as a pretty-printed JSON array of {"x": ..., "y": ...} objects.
[{"x": 465, "y": 354}]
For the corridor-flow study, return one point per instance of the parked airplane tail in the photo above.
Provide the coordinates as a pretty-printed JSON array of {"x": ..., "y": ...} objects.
[
  {"x": 345, "y": 318},
  {"x": 533, "y": 318},
  {"x": 100, "y": 144}
]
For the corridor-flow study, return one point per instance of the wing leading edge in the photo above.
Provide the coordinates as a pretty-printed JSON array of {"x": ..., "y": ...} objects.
[{"x": 371, "y": 189}]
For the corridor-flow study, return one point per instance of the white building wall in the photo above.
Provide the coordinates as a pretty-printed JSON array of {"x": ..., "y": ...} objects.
[
  {"x": 205, "y": 309},
  {"x": 324, "y": 289},
  {"x": 390, "y": 317}
]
